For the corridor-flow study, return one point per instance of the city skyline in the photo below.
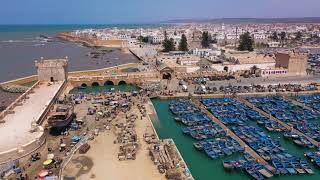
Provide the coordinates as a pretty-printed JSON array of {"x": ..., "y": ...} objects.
[{"x": 142, "y": 11}]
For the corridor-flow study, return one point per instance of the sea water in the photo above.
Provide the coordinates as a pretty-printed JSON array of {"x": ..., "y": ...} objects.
[
  {"x": 200, "y": 165},
  {"x": 21, "y": 45}
]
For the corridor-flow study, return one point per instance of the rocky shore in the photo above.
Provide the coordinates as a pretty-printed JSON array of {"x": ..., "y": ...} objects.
[{"x": 6, "y": 98}]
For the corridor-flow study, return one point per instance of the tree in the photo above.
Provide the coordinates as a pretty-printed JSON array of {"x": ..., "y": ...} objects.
[
  {"x": 205, "y": 39},
  {"x": 275, "y": 36},
  {"x": 298, "y": 36},
  {"x": 143, "y": 39},
  {"x": 172, "y": 46},
  {"x": 246, "y": 42},
  {"x": 283, "y": 37},
  {"x": 183, "y": 45},
  {"x": 168, "y": 44},
  {"x": 254, "y": 69}
]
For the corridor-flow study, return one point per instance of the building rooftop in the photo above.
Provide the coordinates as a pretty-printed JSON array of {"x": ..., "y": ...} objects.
[{"x": 251, "y": 58}]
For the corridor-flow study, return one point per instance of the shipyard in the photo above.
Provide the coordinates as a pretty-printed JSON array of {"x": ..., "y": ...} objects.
[{"x": 190, "y": 100}]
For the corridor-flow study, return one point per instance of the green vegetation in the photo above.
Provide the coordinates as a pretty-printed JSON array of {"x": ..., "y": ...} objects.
[
  {"x": 246, "y": 42},
  {"x": 168, "y": 44},
  {"x": 282, "y": 37},
  {"x": 130, "y": 69},
  {"x": 183, "y": 45},
  {"x": 275, "y": 36},
  {"x": 298, "y": 36},
  {"x": 29, "y": 84},
  {"x": 143, "y": 39},
  {"x": 205, "y": 39}
]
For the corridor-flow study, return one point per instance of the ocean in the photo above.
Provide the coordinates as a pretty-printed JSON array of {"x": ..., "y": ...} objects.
[{"x": 21, "y": 45}]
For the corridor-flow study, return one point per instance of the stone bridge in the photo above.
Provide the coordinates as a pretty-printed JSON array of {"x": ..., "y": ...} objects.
[{"x": 118, "y": 79}]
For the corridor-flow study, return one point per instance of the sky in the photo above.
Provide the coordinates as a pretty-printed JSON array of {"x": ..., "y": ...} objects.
[{"x": 148, "y": 11}]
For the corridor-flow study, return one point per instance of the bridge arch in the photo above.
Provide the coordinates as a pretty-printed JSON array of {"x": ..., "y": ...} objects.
[
  {"x": 122, "y": 82},
  {"x": 166, "y": 75},
  {"x": 108, "y": 83},
  {"x": 95, "y": 84},
  {"x": 226, "y": 68},
  {"x": 83, "y": 85}
]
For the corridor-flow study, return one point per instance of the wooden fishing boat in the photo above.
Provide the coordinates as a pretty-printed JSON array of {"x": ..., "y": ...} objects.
[{"x": 228, "y": 165}]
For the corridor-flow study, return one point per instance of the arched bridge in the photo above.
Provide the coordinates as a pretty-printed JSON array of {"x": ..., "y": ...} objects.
[{"x": 125, "y": 78}]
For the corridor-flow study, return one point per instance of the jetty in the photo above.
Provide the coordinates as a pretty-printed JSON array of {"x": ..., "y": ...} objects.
[
  {"x": 159, "y": 153},
  {"x": 248, "y": 150},
  {"x": 289, "y": 128},
  {"x": 299, "y": 103}
]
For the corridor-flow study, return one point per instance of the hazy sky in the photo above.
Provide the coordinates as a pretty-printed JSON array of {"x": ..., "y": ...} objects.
[{"x": 146, "y": 11}]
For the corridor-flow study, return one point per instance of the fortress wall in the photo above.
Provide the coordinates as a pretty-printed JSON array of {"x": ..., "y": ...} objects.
[
  {"x": 99, "y": 72},
  {"x": 18, "y": 101},
  {"x": 21, "y": 81},
  {"x": 96, "y": 72},
  {"x": 8, "y": 155},
  {"x": 24, "y": 150}
]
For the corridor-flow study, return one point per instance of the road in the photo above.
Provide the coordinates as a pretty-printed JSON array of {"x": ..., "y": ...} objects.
[{"x": 174, "y": 83}]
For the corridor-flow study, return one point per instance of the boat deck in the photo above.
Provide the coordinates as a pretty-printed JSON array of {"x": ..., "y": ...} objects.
[
  {"x": 234, "y": 136},
  {"x": 15, "y": 132},
  {"x": 314, "y": 142}
]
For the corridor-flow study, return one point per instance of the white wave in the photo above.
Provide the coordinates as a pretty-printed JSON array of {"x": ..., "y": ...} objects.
[
  {"x": 14, "y": 41},
  {"x": 38, "y": 45}
]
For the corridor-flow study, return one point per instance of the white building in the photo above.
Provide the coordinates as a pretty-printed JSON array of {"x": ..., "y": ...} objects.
[
  {"x": 206, "y": 52},
  {"x": 156, "y": 39},
  {"x": 273, "y": 72},
  {"x": 187, "y": 61},
  {"x": 274, "y": 44}
]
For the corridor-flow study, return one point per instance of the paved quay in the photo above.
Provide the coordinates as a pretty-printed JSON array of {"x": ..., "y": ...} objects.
[
  {"x": 15, "y": 131},
  {"x": 233, "y": 136}
]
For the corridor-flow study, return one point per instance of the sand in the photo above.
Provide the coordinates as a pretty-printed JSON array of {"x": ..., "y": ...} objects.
[{"x": 101, "y": 161}]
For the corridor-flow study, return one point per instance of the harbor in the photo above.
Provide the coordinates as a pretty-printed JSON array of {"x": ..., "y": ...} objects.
[
  {"x": 173, "y": 102},
  {"x": 129, "y": 144},
  {"x": 191, "y": 154}
]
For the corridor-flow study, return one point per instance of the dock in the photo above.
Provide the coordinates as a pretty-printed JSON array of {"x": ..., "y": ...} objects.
[
  {"x": 289, "y": 128},
  {"x": 299, "y": 103},
  {"x": 248, "y": 150},
  {"x": 151, "y": 112}
]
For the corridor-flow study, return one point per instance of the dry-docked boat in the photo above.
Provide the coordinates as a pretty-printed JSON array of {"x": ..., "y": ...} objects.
[{"x": 61, "y": 116}]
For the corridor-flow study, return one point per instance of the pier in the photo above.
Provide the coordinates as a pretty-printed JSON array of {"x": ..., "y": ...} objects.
[
  {"x": 152, "y": 112},
  {"x": 289, "y": 128},
  {"x": 299, "y": 103},
  {"x": 233, "y": 136}
]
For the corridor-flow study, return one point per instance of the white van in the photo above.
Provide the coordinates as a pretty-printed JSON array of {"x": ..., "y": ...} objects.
[
  {"x": 203, "y": 88},
  {"x": 184, "y": 88}
]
